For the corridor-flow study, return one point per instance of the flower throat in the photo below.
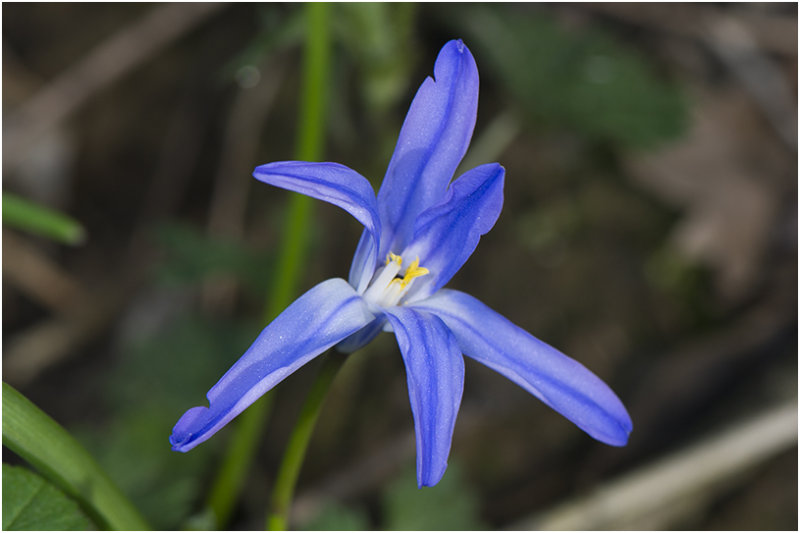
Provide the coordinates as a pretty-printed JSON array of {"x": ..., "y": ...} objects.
[{"x": 388, "y": 287}]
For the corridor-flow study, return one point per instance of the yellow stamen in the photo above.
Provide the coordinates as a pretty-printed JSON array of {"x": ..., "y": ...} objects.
[
  {"x": 413, "y": 271},
  {"x": 394, "y": 258}
]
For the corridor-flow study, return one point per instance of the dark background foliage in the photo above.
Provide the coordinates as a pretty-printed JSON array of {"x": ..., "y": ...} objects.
[{"x": 649, "y": 231}]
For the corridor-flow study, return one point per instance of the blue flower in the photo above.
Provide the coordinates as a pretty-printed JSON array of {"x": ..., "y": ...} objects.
[{"x": 418, "y": 233}]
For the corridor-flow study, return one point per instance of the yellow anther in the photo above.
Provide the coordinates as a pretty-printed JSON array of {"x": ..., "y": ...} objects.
[
  {"x": 414, "y": 271},
  {"x": 394, "y": 258},
  {"x": 389, "y": 288}
]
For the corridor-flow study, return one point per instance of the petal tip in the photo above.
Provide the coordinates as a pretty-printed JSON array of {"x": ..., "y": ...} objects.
[
  {"x": 619, "y": 435},
  {"x": 429, "y": 479},
  {"x": 184, "y": 434}
]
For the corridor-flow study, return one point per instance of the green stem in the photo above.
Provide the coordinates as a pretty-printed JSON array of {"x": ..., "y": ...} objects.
[
  {"x": 40, "y": 440},
  {"x": 311, "y": 134},
  {"x": 26, "y": 215},
  {"x": 283, "y": 491},
  {"x": 235, "y": 465}
]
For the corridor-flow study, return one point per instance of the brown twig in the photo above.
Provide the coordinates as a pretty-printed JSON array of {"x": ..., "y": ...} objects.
[
  {"x": 233, "y": 179},
  {"x": 51, "y": 340},
  {"x": 105, "y": 64},
  {"x": 31, "y": 271},
  {"x": 655, "y": 495},
  {"x": 763, "y": 79}
]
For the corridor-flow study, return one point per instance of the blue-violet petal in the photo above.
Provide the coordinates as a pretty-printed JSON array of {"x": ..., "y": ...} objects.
[
  {"x": 448, "y": 233},
  {"x": 342, "y": 187},
  {"x": 320, "y": 318},
  {"x": 557, "y": 380},
  {"x": 435, "y": 373},
  {"x": 432, "y": 141}
]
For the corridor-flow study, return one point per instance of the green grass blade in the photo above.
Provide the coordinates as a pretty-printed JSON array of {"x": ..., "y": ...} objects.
[
  {"x": 37, "y": 438},
  {"x": 28, "y": 216}
]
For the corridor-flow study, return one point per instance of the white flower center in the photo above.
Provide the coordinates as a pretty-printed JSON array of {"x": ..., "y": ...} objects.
[{"x": 388, "y": 287}]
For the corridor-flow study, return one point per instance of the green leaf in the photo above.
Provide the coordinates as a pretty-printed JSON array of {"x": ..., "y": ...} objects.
[
  {"x": 38, "y": 439},
  {"x": 31, "y": 503},
  {"x": 28, "y": 216},
  {"x": 451, "y": 505},
  {"x": 580, "y": 79}
]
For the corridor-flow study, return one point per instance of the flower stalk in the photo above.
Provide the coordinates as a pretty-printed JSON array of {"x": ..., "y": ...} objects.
[
  {"x": 285, "y": 482},
  {"x": 309, "y": 146}
]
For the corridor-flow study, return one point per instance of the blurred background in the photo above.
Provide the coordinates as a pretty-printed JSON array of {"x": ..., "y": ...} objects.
[{"x": 649, "y": 231}]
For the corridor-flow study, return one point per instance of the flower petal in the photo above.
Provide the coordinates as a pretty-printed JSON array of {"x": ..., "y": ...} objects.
[
  {"x": 364, "y": 261},
  {"x": 432, "y": 141},
  {"x": 316, "y": 321},
  {"x": 447, "y": 234},
  {"x": 560, "y": 382},
  {"x": 362, "y": 337},
  {"x": 435, "y": 371},
  {"x": 342, "y": 187}
]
